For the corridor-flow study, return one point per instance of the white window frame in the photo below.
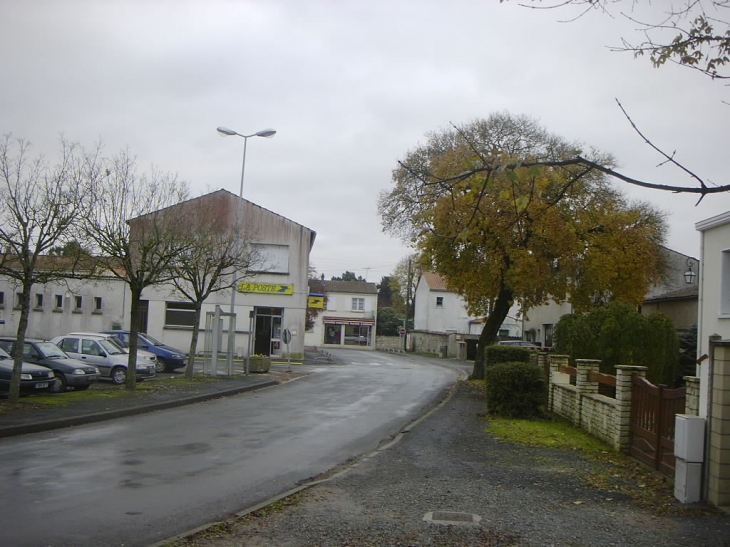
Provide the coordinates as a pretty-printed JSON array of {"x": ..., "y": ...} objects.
[
  {"x": 358, "y": 303},
  {"x": 725, "y": 283},
  {"x": 274, "y": 258}
]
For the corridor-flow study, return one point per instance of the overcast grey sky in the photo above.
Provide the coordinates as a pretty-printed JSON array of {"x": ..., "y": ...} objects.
[{"x": 350, "y": 86}]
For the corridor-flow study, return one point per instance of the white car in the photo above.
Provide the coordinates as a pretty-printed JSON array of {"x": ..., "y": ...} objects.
[{"x": 101, "y": 351}]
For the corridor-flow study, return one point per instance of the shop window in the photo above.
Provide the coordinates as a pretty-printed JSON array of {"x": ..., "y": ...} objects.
[
  {"x": 357, "y": 335},
  {"x": 333, "y": 334}
]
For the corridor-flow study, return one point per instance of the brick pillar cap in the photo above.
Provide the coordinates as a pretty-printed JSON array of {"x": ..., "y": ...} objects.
[{"x": 631, "y": 367}]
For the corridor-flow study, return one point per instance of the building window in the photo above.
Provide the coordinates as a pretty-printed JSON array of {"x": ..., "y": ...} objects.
[
  {"x": 179, "y": 314},
  {"x": 39, "y": 301},
  {"x": 439, "y": 301},
  {"x": 59, "y": 301},
  {"x": 2, "y": 299},
  {"x": 358, "y": 304},
  {"x": 725, "y": 283},
  {"x": 271, "y": 258},
  {"x": 18, "y": 300},
  {"x": 357, "y": 335},
  {"x": 97, "y": 304},
  {"x": 79, "y": 303}
]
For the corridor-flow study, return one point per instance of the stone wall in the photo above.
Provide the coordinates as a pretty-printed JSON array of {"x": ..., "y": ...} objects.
[
  {"x": 718, "y": 460},
  {"x": 389, "y": 342},
  {"x": 422, "y": 341},
  {"x": 581, "y": 403}
]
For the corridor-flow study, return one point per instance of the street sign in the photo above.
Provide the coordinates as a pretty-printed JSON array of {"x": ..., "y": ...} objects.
[
  {"x": 402, "y": 331},
  {"x": 286, "y": 336}
]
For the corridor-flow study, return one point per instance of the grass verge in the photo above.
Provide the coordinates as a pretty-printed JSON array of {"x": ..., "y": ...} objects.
[
  {"x": 106, "y": 391},
  {"x": 611, "y": 471}
]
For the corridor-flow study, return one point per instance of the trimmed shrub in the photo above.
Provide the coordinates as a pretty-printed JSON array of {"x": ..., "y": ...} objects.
[
  {"x": 505, "y": 354},
  {"x": 516, "y": 389},
  {"x": 618, "y": 334}
]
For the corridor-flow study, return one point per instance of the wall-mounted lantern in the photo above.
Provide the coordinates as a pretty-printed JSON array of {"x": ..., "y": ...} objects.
[{"x": 690, "y": 274}]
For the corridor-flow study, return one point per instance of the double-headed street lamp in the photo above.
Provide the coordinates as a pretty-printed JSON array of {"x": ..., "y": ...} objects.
[{"x": 225, "y": 132}]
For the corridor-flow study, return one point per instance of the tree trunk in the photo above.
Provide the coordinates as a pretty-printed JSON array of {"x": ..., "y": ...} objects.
[
  {"x": 491, "y": 329},
  {"x": 131, "y": 383},
  {"x": 14, "y": 389},
  {"x": 193, "y": 342}
]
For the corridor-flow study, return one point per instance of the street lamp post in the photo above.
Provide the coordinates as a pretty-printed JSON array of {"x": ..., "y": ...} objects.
[{"x": 225, "y": 132}]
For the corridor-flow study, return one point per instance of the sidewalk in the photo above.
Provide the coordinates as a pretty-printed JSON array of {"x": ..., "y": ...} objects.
[{"x": 445, "y": 482}]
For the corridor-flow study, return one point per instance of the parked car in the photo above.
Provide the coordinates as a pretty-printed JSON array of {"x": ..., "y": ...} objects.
[
  {"x": 102, "y": 352},
  {"x": 168, "y": 358},
  {"x": 142, "y": 355},
  {"x": 33, "y": 378},
  {"x": 69, "y": 372},
  {"x": 519, "y": 343}
]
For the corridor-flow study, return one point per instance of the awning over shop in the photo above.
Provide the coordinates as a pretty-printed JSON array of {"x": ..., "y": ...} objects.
[{"x": 347, "y": 321}]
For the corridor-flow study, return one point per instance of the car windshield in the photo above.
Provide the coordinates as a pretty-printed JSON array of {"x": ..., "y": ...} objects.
[
  {"x": 3, "y": 354},
  {"x": 51, "y": 351},
  {"x": 111, "y": 347},
  {"x": 119, "y": 341},
  {"x": 151, "y": 340}
]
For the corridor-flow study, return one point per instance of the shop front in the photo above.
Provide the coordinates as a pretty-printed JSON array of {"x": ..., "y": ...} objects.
[{"x": 346, "y": 331}]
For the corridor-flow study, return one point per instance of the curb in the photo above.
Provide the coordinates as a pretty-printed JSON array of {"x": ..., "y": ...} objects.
[{"x": 47, "y": 425}]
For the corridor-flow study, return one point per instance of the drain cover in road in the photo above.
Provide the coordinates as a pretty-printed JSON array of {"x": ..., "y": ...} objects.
[{"x": 451, "y": 517}]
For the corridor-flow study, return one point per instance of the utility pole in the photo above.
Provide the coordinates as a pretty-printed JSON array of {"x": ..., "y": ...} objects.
[{"x": 408, "y": 301}]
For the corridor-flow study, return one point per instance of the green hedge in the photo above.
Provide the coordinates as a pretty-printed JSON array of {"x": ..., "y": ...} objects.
[
  {"x": 515, "y": 389},
  {"x": 505, "y": 354}
]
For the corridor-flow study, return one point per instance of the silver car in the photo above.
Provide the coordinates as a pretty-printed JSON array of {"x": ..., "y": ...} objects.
[{"x": 102, "y": 352}]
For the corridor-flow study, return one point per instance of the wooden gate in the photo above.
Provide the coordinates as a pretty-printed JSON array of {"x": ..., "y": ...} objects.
[{"x": 652, "y": 423}]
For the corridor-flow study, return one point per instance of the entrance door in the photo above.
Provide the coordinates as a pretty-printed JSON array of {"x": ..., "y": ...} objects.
[
  {"x": 144, "y": 311},
  {"x": 268, "y": 331}
]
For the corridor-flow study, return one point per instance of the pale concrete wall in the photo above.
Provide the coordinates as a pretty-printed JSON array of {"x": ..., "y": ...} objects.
[
  {"x": 49, "y": 321},
  {"x": 714, "y": 275}
]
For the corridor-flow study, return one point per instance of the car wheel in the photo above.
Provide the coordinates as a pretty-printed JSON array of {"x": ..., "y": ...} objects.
[
  {"x": 59, "y": 386},
  {"x": 82, "y": 388},
  {"x": 160, "y": 366},
  {"x": 118, "y": 376}
]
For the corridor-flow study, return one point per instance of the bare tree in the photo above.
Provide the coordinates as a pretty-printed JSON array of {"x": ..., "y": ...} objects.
[
  {"x": 127, "y": 225},
  {"x": 41, "y": 206},
  {"x": 215, "y": 248},
  {"x": 689, "y": 33}
]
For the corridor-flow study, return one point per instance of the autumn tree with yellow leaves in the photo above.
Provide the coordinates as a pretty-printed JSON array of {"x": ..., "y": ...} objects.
[{"x": 526, "y": 233}]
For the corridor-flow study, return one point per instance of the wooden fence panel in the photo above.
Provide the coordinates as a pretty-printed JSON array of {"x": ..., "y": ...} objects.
[{"x": 652, "y": 423}]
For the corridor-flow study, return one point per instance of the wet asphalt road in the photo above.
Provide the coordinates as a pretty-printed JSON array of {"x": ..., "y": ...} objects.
[{"x": 134, "y": 481}]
